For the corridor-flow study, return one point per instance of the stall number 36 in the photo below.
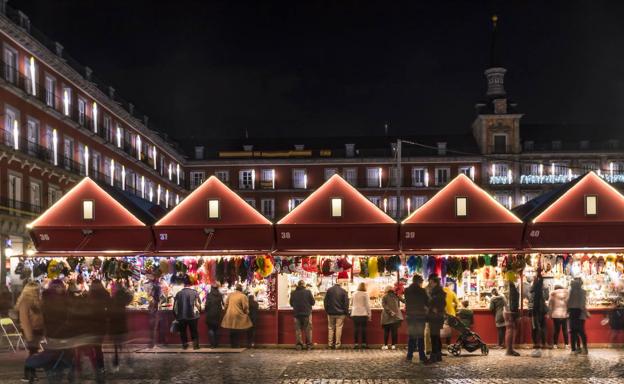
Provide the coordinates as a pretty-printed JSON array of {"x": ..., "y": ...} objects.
[{"x": 44, "y": 237}]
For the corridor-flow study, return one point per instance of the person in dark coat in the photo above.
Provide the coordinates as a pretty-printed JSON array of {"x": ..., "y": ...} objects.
[
  {"x": 538, "y": 310},
  {"x": 186, "y": 307},
  {"x": 336, "y": 304},
  {"x": 435, "y": 318},
  {"x": 118, "y": 328},
  {"x": 497, "y": 306},
  {"x": 302, "y": 301},
  {"x": 214, "y": 314},
  {"x": 79, "y": 318},
  {"x": 99, "y": 304},
  {"x": 416, "y": 301},
  {"x": 253, "y": 316}
]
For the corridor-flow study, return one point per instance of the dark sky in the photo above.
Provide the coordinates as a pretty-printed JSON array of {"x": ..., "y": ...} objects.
[{"x": 342, "y": 67}]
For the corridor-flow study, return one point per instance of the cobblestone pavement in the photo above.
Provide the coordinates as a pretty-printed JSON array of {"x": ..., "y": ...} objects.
[{"x": 284, "y": 366}]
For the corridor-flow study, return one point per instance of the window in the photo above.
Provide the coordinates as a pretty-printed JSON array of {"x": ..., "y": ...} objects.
[
  {"x": 81, "y": 158},
  {"x": 35, "y": 196},
  {"x": 49, "y": 141},
  {"x": 467, "y": 170},
  {"x": 119, "y": 135},
  {"x": 300, "y": 179},
  {"x": 197, "y": 178},
  {"x": 294, "y": 202},
  {"x": 350, "y": 175},
  {"x": 15, "y": 191},
  {"x": 418, "y": 201},
  {"x": 395, "y": 206},
  {"x": 267, "y": 207},
  {"x": 267, "y": 178},
  {"x": 251, "y": 201},
  {"x": 559, "y": 169},
  {"x": 108, "y": 130},
  {"x": 11, "y": 122},
  {"x": 246, "y": 179},
  {"x": 30, "y": 69},
  {"x": 82, "y": 111},
  {"x": 461, "y": 206},
  {"x": 224, "y": 176},
  {"x": 531, "y": 169},
  {"x": 373, "y": 177},
  {"x": 107, "y": 167},
  {"x": 329, "y": 172},
  {"x": 95, "y": 163},
  {"x": 67, "y": 97},
  {"x": 588, "y": 166},
  {"x": 375, "y": 200},
  {"x": 396, "y": 177},
  {"x": 32, "y": 127},
  {"x": 557, "y": 145},
  {"x": 88, "y": 209},
  {"x": 50, "y": 91},
  {"x": 504, "y": 198},
  {"x": 54, "y": 194},
  {"x": 528, "y": 196},
  {"x": 442, "y": 176},
  {"x": 336, "y": 207},
  {"x": 68, "y": 152},
  {"x": 500, "y": 144},
  {"x": 419, "y": 177},
  {"x": 591, "y": 205},
  {"x": 10, "y": 62}
]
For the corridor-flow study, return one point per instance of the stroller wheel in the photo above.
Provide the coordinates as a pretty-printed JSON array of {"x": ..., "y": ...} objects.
[
  {"x": 485, "y": 350},
  {"x": 454, "y": 349}
]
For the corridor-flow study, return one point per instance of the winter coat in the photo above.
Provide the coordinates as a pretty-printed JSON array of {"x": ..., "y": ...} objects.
[
  {"x": 497, "y": 305},
  {"x": 118, "y": 316},
  {"x": 391, "y": 309},
  {"x": 236, "y": 312},
  {"x": 437, "y": 304},
  {"x": 537, "y": 299},
  {"x": 451, "y": 302},
  {"x": 578, "y": 297},
  {"x": 99, "y": 304},
  {"x": 253, "y": 310},
  {"x": 361, "y": 304},
  {"x": 301, "y": 301},
  {"x": 214, "y": 307},
  {"x": 55, "y": 315},
  {"x": 186, "y": 304},
  {"x": 558, "y": 303},
  {"x": 336, "y": 301},
  {"x": 466, "y": 316},
  {"x": 416, "y": 301},
  {"x": 30, "y": 316},
  {"x": 78, "y": 314}
]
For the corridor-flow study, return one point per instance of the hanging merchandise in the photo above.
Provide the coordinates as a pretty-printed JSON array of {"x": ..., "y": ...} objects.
[
  {"x": 268, "y": 266},
  {"x": 443, "y": 267},
  {"x": 326, "y": 267},
  {"x": 381, "y": 265},
  {"x": 372, "y": 267},
  {"x": 481, "y": 261},
  {"x": 412, "y": 264},
  {"x": 487, "y": 259},
  {"x": 494, "y": 261},
  {"x": 357, "y": 267},
  {"x": 363, "y": 267},
  {"x": 431, "y": 266},
  {"x": 309, "y": 264}
]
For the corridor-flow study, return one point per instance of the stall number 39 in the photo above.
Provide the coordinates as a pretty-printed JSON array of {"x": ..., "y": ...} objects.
[
  {"x": 285, "y": 235},
  {"x": 410, "y": 235}
]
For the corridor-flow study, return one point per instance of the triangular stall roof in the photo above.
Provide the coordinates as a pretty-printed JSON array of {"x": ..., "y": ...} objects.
[
  {"x": 461, "y": 218},
  {"x": 230, "y": 225},
  {"x": 89, "y": 220},
  {"x": 584, "y": 214},
  {"x": 337, "y": 219}
]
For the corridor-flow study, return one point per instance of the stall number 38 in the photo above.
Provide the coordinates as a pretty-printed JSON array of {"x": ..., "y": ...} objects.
[{"x": 285, "y": 235}]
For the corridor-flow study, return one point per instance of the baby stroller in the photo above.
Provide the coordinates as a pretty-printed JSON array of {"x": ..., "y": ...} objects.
[{"x": 467, "y": 339}]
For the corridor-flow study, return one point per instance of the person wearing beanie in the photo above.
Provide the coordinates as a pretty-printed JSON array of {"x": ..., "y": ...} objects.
[{"x": 557, "y": 306}]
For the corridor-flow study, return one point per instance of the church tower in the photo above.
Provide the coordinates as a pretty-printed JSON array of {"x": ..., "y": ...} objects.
[{"x": 497, "y": 125}]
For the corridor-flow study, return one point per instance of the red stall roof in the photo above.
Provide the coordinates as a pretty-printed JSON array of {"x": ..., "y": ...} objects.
[
  {"x": 213, "y": 218},
  {"x": 337, "y": 219},
  {"x": 461, "y": 218},
  {"x": 88, "y": 220},
  {"x": 585, "y": 214}
]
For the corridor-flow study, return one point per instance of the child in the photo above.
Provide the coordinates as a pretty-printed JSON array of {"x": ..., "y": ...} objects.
[{"x": 466, "y": 315}]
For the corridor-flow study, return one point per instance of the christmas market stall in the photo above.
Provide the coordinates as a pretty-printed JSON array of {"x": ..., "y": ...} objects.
[
  {"x": 468, "y": 239},
  {"x": 218, "y": 240},
  {"x": 336, "y": 235},
  {"x": 576, "y": 231}
]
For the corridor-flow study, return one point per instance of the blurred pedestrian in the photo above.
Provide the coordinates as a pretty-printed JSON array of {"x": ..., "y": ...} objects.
[
  {"x": 557, "y": 306},
  {"x": 78, "y": 320},
  {"x": 336, "y": 304},
  {"x": 466, "y": 315},
  {"x": 214, "y": 314},
  {"x": 186, "y": 308},
  {"x": 452, "y": 304},
  {"x": 511, "y": 314},
  {"x": 236, "y": 317},
  {"x": 416, "y": 301},
  {"x": 118, "y": 328},
  {"x": 577, "y": 308},
  {"x": 302, "y": 301},
  {"x": 6, "y": 300},
  {"x": 28, "y": 307},
  {"x": 253, "y": 316},
  {"x": 497, "y": 306},
  {"x": 99, "y": 303},
  {"x": 360, "y": 314},
  {"x": 538, "y": 309},
  {"x": 156, "y": 316},
  {"x": 391, "y": 316},
  {"x": 435, "y": 318}
]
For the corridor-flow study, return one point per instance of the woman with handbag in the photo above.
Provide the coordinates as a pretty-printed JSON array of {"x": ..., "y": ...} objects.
[{"x": 28, "y": 307}]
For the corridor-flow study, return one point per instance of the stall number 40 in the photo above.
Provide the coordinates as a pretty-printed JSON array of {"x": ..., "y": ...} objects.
[{"x": 285, "y": 235}]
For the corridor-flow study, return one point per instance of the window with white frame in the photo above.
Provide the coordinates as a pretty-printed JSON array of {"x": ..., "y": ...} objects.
[
  {"x": 35, "y": 194},
  {"x": 49, "y": 140},
  {"x": 267, "y": 178},
  {"x": 54, "y": 194},
  {"x": 246, "y": 179},
  {"x": 82, "y": 111},
  {"x": 396, "y": 177},
  {"x": 466, "y": 170},
  {"x": 197, "y": 178},
  {"x": 591, "y": 205},
  {"x": 67, "y": 100},
  {"x": 442, "y": 176},
  {"x": 107, "y": 167},
  {"x": 224, "y": 176},
  {"x": 108, "y": 128},
  {"x": 395, "y": 206},
  {"x": 375, "y": 200},
  {"x": 418, "y": 201},
  {"x": 588, "y": 166},
  {"x": 418, "y": 177},
  {"x": 350, "y": 175},
  {"x": 296, "y": 201},
  {"x": 299, "y": 178},
  {"x": 31, "y": 70},
  {"x": 68, "y": 152},
  {"x": 373, "y": 177},
  {"x": 10, "y": 65},
  {"x": 50, "y": 91},
  {"x": 267, "y": 208},
  {"x": 32, "y": 132},
  {"x": 251, "y": 201},
  {"x": 504, "y": 198},
  {"x": 461, "y": 206},
  {"x": 329, "y": 172},
  {"x": 559, "y": 169},
  {"x": 11, "y": 124}
]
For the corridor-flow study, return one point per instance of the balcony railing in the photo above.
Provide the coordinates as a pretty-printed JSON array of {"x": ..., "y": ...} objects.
[
  {"x": 500, "y": 149},
  {"x": 19, "y": 208}
]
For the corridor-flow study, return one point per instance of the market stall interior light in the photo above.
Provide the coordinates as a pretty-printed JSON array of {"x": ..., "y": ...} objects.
[
  {"x": 461, "y": 206},
  {"x": 336, "y": 207},
  {"x": 33, "y": 78},
  {"x": 15, "y": 135},
  {"x": 55, "y": 146},
  {"x": 95, "y": 116},
  {"x": 213, "y": 209},
  {"x": 591, "y": 205}
]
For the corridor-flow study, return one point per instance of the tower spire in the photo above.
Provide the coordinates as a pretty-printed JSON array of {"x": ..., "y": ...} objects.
[{"x": 495, "y": 74}]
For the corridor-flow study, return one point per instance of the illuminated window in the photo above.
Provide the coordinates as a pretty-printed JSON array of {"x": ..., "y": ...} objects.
[
  {"x": 213, "y": 209},
  {"x": 591, "y": 205},
  {"x": 88, "y": 209},
  {"x": 336, "y": 207},
  {"x": 461, "y": 206}
]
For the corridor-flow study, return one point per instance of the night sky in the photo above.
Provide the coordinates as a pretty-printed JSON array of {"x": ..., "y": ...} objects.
[{"x": 205, "y": 69}]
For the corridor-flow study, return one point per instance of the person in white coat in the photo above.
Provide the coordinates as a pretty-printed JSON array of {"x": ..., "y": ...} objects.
[
  {"x": 558, "y": 308},
  {"x": 361, "y": 314}
]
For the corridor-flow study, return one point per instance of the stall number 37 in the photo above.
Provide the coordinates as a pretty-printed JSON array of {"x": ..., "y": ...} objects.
[{"x": 285, "y": 235}]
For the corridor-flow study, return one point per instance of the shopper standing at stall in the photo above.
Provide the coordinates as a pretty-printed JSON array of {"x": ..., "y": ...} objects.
[
  {"x": 416, "y": 301},
  {"x": 99, "y": 303},
  {"x": 577, "y": 308},
  {"x": 186, "y": 308},
  {"x": 537, "y": 310},
  {"x": 435, "y": 318},
  {"x": 118, "y": 329},
  {"x": 156, "y": 318},
  {"x": 28, "y": 307},
  {"x": 361, "y": 315},
  {"x": 302, "y": 301},
  {"x": 253, "y": 316},
  {"x": 391, "y": 316},
  {"x": 511, "y": 314},
  {"x": 497, "y": 306},
  {"x": 337, "y": 308},
  {"x": 236, "y": 317},
  {"x": 214, "y": 313},
  {"x": 557, "y": 305}
]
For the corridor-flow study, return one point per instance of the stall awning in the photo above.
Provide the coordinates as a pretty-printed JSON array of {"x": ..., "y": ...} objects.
[
  {"x": 461, "y": 218},
  {"x": 89, "y": 220},
  {"x": 213, "y": 218},
  {"x": 584, "y": 214},
  {"x": 336, "y": 218}
]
